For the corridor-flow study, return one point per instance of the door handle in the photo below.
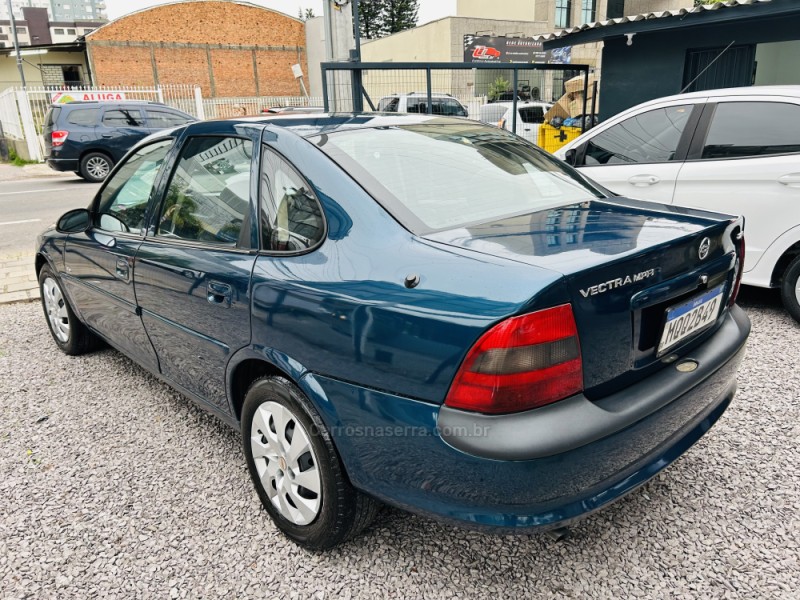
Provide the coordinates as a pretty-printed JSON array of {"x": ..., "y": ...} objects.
[
  {"x": 219, "y": 293},
  {"x": 123, "y": 269},
  {"x": 791, "y": 180},
  {"x": 643, "y": 180},
  {"x": 107, "y": 136}
]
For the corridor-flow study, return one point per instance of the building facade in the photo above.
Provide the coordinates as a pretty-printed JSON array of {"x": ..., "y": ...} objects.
[
  {"x": 228, "y": 48},
  {"x": 35, "y": 28},
  {"x": 58, "y": 10}
]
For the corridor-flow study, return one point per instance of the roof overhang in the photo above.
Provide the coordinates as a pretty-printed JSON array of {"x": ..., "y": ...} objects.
[{"x": 703, "y": 15}]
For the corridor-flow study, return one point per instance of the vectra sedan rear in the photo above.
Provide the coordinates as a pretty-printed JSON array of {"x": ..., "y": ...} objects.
[{"x": 421, "y": 311}]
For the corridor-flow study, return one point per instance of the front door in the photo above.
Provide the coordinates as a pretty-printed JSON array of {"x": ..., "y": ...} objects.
[
  {"x": 638, "y": 157},
  {"x": 100, "y": 262},
  {"x": 193, "y": 270}
]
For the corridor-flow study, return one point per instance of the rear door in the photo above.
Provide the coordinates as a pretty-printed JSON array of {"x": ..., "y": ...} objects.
[
  {"x": 100, "y": 262},
  {"x": 193, "y": 270},
  {"x": 747, "y": 162},
  {"x": 121, "y": 127},
  {"x": 641, "y": 155}
]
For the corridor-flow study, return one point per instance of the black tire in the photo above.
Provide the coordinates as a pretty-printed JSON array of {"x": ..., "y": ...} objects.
[
  {"x": 344, "y": 511},
  {"x": 790, "y": 292},
  {"x": 95, "y": 167},
  {"x": 78, "y": 340}
]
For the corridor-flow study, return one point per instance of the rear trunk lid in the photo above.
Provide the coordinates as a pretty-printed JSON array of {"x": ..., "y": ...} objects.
[{"x": 638, "y": 275}]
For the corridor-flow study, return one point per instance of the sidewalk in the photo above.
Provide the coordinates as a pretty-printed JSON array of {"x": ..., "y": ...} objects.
[
  {"x": 9, "y": 172},
  {"x": 18, "y": 278}
]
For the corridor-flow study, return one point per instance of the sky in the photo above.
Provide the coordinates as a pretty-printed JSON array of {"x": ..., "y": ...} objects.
[{"x": 429, "y": 10}]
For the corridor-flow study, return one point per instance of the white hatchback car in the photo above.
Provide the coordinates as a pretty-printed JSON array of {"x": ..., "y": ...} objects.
[
  {"x": 734, "y": 151},
  {"x": 530, "y": 115}
]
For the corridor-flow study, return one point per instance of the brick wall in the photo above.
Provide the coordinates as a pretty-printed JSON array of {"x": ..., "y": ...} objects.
[{"x": 227, "y": 48}]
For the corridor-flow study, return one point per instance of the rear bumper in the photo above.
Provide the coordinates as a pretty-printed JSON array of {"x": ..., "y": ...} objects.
[
  {"x": 62, "y": 164},
  {"x": 496, "y": 474}
]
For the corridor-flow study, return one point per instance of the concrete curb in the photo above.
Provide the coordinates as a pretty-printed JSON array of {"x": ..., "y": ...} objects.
[{"x": 18, "y": 279}]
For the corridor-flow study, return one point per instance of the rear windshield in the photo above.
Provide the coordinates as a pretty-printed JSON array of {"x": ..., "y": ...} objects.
[
  {"x": 51, "y": 117},
  {"x": 435, "y": 177}
]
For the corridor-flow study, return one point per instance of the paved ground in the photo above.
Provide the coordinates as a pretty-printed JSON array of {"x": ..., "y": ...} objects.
[
  {"x": 28, "y": 204},
  {"x": 112, "y": 485}
]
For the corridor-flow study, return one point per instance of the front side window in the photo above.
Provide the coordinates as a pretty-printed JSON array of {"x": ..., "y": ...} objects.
[
  {"x": 563, "y": 9},
  {"x": 433, "y": 177},
  {"x": 741, "y": 129},
  {"x": 209, "y": 194},
  {"x": 291, "y": 216},
  {"x": 123, "y": 117},
  {"x": 650, "y": 137},
  {"x": 123, "y": 202},
  {"x": 388, "y": 104}
]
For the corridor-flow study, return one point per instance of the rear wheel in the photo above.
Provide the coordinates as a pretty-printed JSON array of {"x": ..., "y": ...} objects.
[
  {"x": 70, "y": 335},
  {"x": 95, "y": 167},
  {"x": 790, "y": 289},
  {"x": 296, "y": 469}
]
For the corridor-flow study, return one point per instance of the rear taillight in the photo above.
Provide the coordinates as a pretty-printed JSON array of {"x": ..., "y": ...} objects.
[
  {"x": 738, "y": 240},
  {"x": 59, "y": 137},
  {"x": 522, "y": 363}
]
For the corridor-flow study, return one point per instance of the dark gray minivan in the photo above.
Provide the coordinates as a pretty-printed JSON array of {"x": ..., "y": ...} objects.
[{"x": 89, "y": 138}]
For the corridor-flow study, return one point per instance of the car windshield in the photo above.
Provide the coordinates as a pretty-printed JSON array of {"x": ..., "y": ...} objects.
[{"x": 435, "y": 177}]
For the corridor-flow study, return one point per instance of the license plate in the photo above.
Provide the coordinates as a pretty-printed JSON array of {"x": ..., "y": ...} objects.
[{"x": 687, "y": 319}]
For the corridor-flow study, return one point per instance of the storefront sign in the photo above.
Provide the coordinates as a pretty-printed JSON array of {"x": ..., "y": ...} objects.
[{"x": 481, "y": 49}]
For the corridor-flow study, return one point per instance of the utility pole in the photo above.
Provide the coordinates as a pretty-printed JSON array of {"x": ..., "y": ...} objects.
[{"x": 16, "y": 43}]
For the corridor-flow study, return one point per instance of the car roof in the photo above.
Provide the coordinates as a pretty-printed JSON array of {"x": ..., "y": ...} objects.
[
  {"x": 753, "y": 90},
  {"x": 311, "y": 124}
]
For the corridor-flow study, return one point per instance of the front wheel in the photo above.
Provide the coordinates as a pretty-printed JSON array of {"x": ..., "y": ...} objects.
[
  {"x": 70, "y": 335},
  {"x": 95, "y": 167},
  {"x": 296, "y": 469},
  {"x": 790, "y": 289}
]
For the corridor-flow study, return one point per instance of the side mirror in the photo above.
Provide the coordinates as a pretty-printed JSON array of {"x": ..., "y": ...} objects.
[
  {"x": 571, "y": 157},
  {"x": 74, "y": 221}
]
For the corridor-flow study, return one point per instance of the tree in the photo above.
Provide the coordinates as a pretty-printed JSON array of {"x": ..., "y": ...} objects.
[
  {"x": 370, "y": 17},
  {"x": 305, "y": 15},
  {"x": 400, "y": 15},
  {"x": 378, "y": 18}
]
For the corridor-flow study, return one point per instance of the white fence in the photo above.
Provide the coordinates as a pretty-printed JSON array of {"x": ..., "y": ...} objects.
[{"x": 23, "y": 111}]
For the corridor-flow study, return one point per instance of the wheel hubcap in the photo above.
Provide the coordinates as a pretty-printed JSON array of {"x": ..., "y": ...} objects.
[
  {"x": 286, "y": 464},
  {"x": 97, "y": 167},
  {"x": 56, "y": 309},
  {"x": 797, "y": 290}
]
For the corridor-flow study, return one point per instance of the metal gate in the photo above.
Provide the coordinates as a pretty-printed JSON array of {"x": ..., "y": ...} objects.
[{"x": 357, "y": 87}]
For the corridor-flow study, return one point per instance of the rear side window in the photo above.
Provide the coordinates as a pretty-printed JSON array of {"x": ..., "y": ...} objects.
[
  {"x": 209, "y": 194},
  {"x": 84, "y": 116},
  {"x": 532, "y": 114},
  {"x": 388, "y": 104},
  {"x": 741, "y": 129},
  {"x": 291, "y": 216},
  {"x": 123, "y": 117},
  {"x": 650, "y": 137},
  {"x": 163, "y": 118}
]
